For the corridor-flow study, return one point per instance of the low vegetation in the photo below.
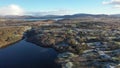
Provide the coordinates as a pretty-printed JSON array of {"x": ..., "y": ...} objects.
[
  {"x": 94, "y": 43},
  {"x": 9, "y": 35}
]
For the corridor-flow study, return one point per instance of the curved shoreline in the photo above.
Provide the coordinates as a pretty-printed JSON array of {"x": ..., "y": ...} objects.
[
  {"x": 4, "y": 46},
  {"x": 17, "y": 36}
]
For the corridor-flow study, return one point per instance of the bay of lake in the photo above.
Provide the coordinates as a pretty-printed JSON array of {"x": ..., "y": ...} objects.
[{"x": 27, "y": 55}]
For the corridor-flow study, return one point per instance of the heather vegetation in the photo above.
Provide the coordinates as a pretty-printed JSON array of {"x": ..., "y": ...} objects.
[
  {"x": 80, "y": 42},
  {"x": 9, "y": 35},
  {"x": 11, "y": 31}
]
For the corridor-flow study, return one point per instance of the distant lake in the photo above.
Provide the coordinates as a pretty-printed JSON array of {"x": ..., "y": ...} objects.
[
  {"x": 36, "y": 19},
  {"x": 27, "y": 55}
]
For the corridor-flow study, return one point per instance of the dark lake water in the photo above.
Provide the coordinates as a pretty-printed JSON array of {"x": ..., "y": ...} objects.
[{"x": 27, "y": 55}]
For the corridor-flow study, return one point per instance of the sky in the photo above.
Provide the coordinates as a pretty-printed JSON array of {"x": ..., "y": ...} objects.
[{"x": 58, "y": 7}]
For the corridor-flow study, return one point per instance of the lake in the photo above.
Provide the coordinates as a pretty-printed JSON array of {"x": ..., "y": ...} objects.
[
  {"x": 27, "y": 55},
  {"x": 36, "y": 19}
]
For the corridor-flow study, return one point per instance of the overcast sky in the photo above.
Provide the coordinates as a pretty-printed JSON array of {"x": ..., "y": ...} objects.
[{"x": 58, "y": 7}]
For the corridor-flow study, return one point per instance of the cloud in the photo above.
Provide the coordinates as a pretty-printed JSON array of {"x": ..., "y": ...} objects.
[
  {"x": 17, "y": 10},
  {"x": 11, "y": 10},
  {"x": 117, "y": 6},
  {"x": 54, "y": 12},
  {"x": 115, "y": 3},
  {"x": 59, "y": 12}
]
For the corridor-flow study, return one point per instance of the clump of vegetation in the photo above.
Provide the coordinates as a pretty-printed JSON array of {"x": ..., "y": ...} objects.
[{"x": 10, "y": 35}]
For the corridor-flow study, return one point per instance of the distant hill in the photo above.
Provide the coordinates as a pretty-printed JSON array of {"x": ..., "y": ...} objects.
[
  {"x": 116, "y": 15},
  {"x": 57, "y": 16},
  {"x": 84, "y": 15},
  {"x": 30, "y": 17}
]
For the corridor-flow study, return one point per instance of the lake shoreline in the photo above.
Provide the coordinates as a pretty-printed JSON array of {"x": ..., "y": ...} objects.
[
  {"x": 7, "y": 45},
  {"x": 23, "y": 52}
]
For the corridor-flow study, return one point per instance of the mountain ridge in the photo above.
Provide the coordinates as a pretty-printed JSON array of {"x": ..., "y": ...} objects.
[{"x": 58, "y": 16}]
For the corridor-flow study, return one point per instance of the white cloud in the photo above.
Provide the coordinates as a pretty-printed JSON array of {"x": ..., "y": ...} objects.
[
  {"x": 115, "y": 3},
  {"x": 17, "y": 10},
  {"x": 117, "y": 6},
  {"x": 11, "y": 10},
  {"x": 112, "y": 2},
  {"x": 104, "y": 2},
  {"x": 55, "y": 12},
  {"x": 59, "y": 12}
]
